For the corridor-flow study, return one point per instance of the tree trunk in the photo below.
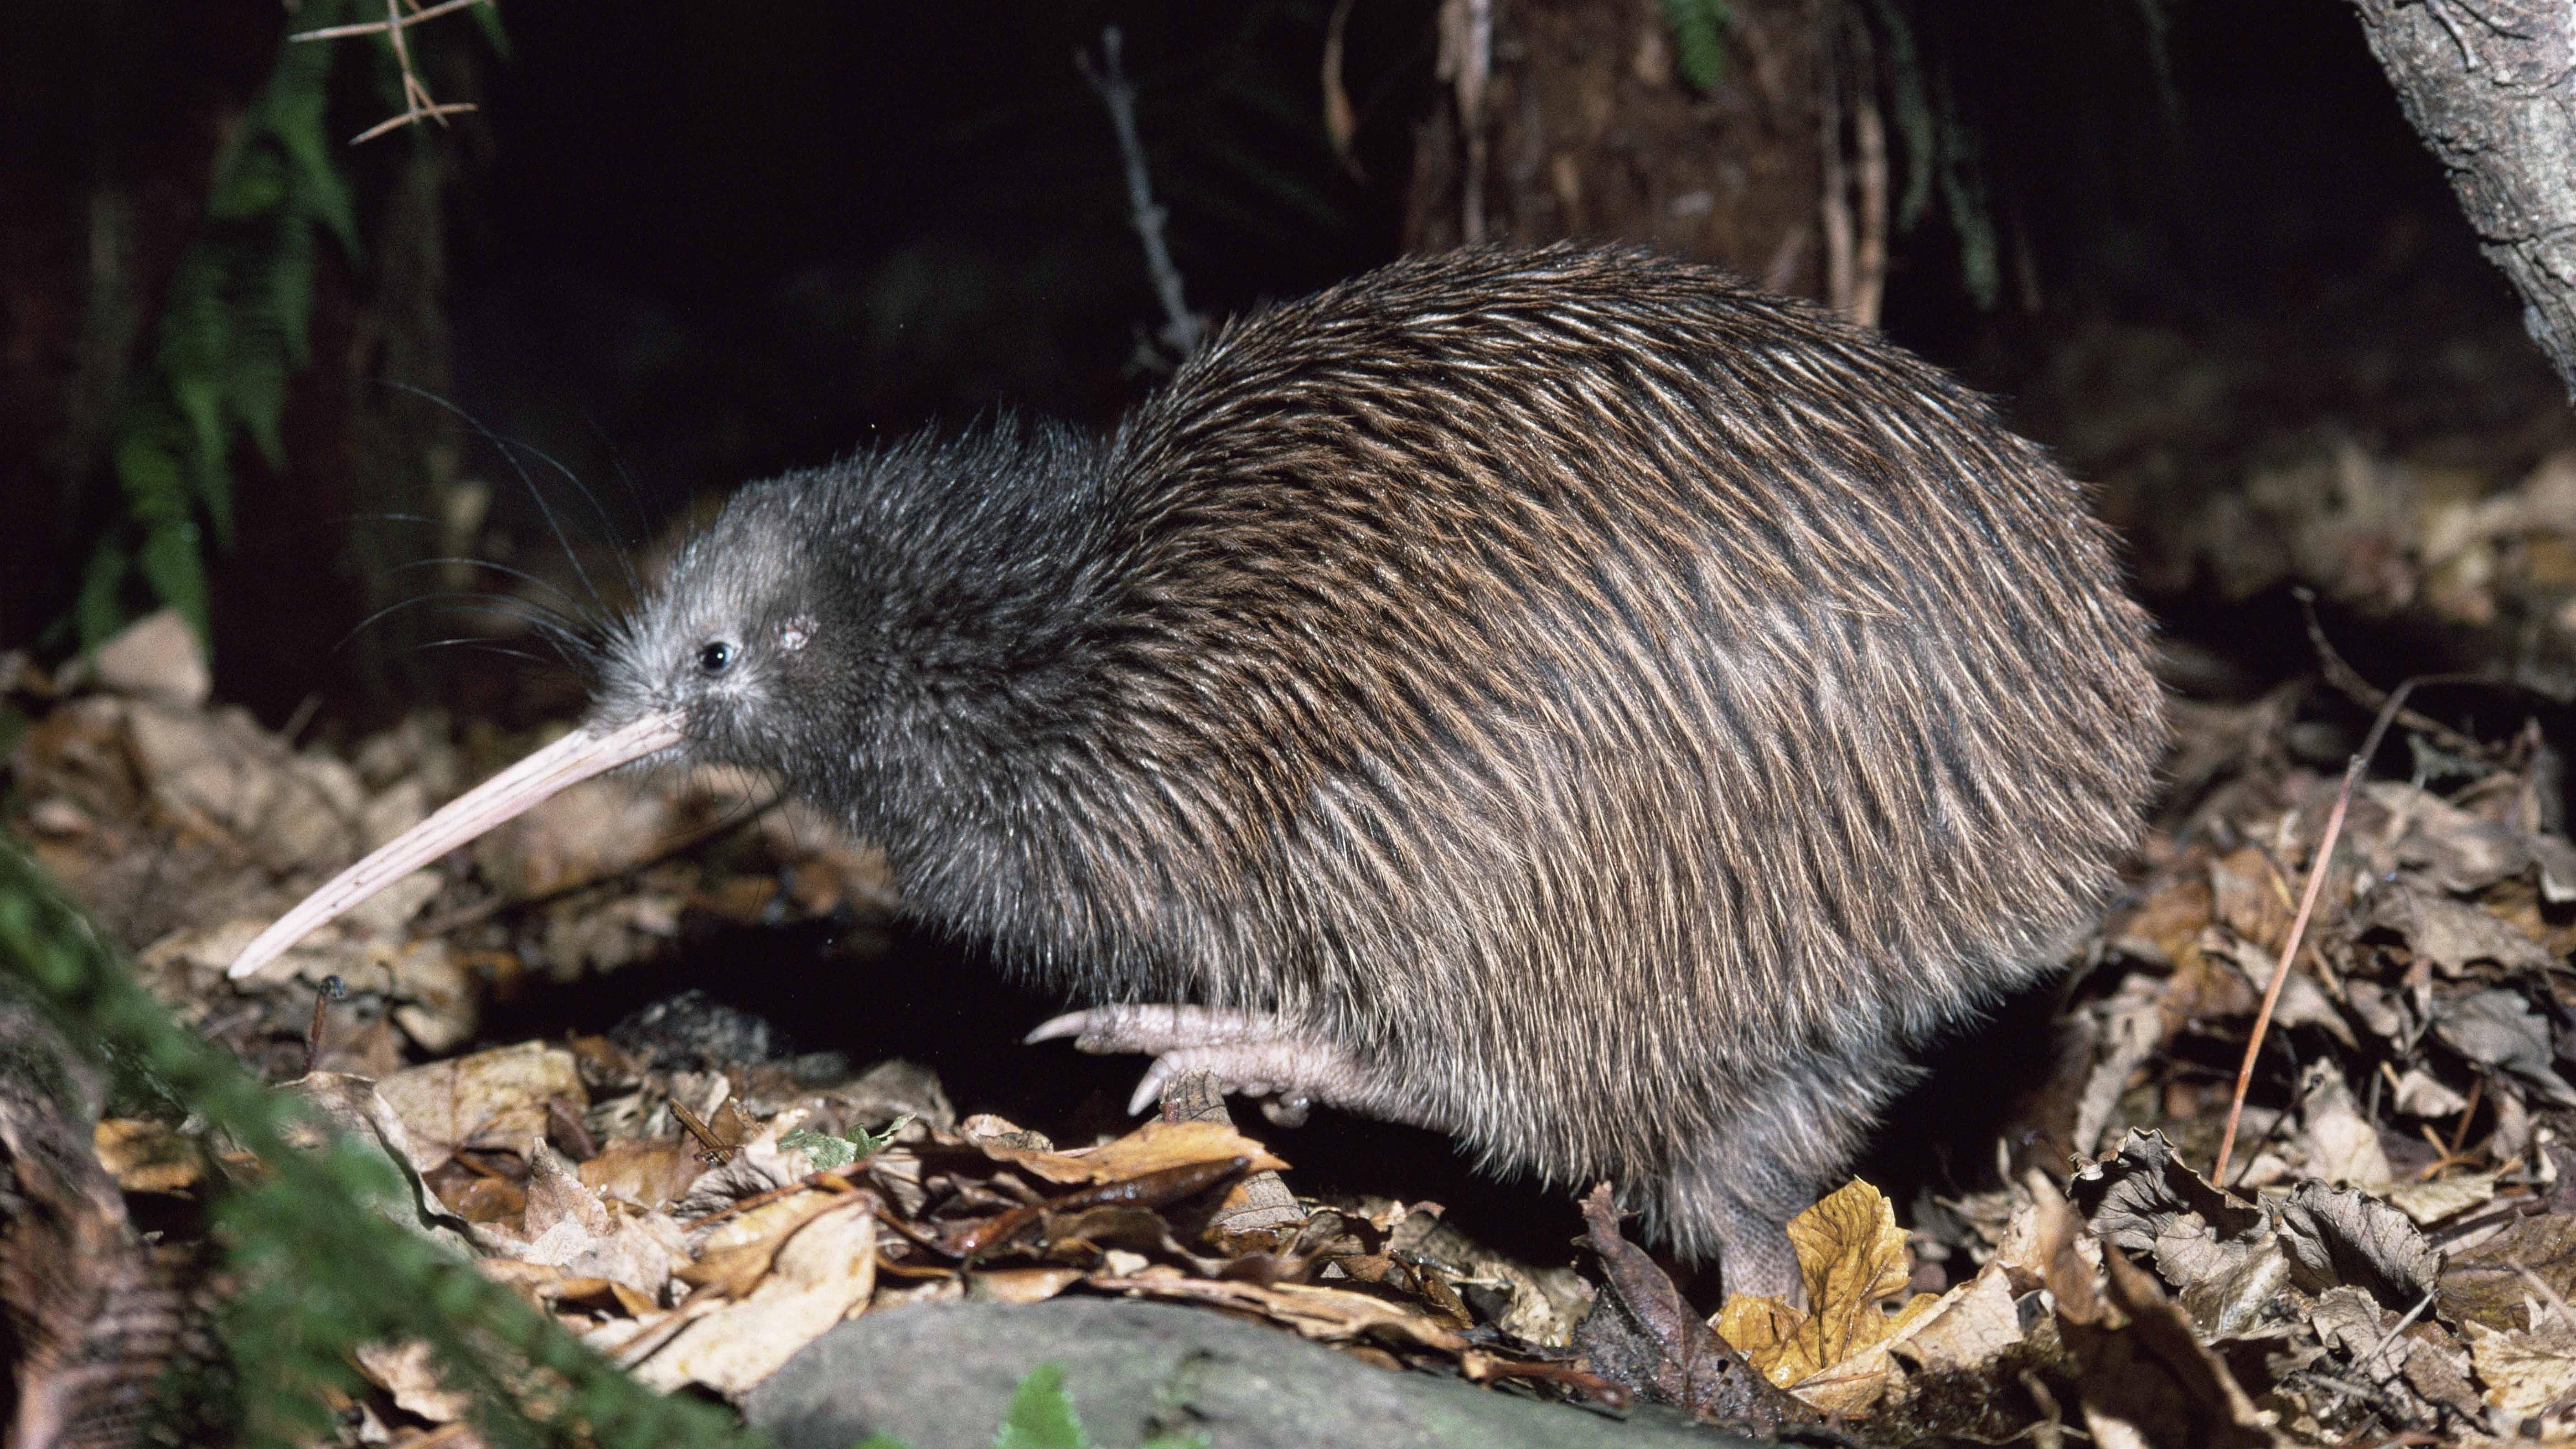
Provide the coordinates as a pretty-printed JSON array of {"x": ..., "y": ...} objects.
[
  {"x": 1572, "y": 118},
  {"x": 2491, "y": 87}
]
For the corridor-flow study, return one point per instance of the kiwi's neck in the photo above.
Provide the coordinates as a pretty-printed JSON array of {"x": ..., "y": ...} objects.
[{"x": 977, "y": 742}]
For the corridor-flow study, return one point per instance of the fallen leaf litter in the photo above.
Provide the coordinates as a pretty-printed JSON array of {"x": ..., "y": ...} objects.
[{"x": 2392, "y": 1253}]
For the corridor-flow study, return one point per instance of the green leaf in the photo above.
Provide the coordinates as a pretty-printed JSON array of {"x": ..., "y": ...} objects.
[
  {"x": 1913, "y": 113},
  {"x": 1699, "y": 39},
  {"x": 196, "y": 330},
  {"x": 170, "y": 563},
  {"x": 316, "y": 1273},
  {"x": 199, "y": 398},
  {"x": 297, "y": 116},
  {"x": 99, "y": 612},
  {"x": 881, "y": 1441},
  {"x": 155, "y": 487},
  {"x": 1041, "y": 1415},
  {"x": 829, "y": 1153},
  {"x": 289, "y": 293},
  {"x": 488, "y": 17},
  {"x": 258, "y": 403},
  {"x": 253, "y": 185},
  {"x": 822, "y": 1149}
]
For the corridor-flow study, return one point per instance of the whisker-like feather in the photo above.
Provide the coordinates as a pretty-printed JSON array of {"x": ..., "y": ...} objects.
[{"x": 536, "y": 494}]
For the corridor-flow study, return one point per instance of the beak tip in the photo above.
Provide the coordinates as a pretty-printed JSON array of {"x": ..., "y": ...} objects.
[
  {"x": 575, "y": 757},
  {"x": 252, "y": 958}
]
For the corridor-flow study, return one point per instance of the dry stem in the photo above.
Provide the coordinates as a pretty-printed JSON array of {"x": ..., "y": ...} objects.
[
  {"x": 2288, "y": 960},
  {"x": 418, "y": 104}
]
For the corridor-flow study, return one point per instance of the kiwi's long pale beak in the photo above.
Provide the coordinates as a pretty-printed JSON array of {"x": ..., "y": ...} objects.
[{"x": 514, "y": 791}]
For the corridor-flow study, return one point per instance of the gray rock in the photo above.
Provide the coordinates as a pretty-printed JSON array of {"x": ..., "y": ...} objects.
[{"x": 939, "y": 1376}]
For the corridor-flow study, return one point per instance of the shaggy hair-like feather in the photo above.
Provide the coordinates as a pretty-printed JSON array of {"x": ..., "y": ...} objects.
[{"x": 1626, "y": 711}]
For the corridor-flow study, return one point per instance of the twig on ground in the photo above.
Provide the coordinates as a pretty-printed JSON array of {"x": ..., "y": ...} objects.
[
  {"x": 2385, "y": 1339},
  {"x": 2317, "y": 870},
  {"x": 1182, "y": 328},
  {"x": 418, "y": 104}
]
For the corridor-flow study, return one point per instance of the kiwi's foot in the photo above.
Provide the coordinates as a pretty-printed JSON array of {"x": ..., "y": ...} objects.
[{"x": 1288, "y": 1064}]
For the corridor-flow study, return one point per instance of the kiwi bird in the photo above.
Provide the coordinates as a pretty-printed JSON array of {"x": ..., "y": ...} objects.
[{"x": 1568, "y": 699}]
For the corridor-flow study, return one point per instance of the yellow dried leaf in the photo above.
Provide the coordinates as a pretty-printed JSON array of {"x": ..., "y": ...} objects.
[
  {"x": 1765, "y": 1331},
  {"x": 1851, "y": 1256},
  {"x": 1151, "y": 1148},
  {"x": 1854, "y": 1385},
  {"x": 147, "y": 1156},
  {"x": 1852, "y": 1259}
]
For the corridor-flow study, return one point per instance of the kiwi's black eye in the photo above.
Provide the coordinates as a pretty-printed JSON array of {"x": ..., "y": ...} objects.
[{"x": 716, "y": 657}]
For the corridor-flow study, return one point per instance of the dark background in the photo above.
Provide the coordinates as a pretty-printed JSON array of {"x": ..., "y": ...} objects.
[{"x": 682, "y": 246}]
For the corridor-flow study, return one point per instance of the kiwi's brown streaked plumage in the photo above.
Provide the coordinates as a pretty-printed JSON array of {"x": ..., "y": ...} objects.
[{"x": 1613, "y": 714}]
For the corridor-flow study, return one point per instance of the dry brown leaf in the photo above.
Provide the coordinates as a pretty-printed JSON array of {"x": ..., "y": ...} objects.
[
  {"x": 156, "y": 656},
  {"x": 1965, "y": 1329},
  {"x": 147, "y": 1156},
  {"x": 2152, "y": 1383},
  {"x": 2453, "y": 934},
  {"x": 1151, "y": 1148},
  {"x": 2484, "y": 1283},
  {"x": 1854, "y": 1386},
  {"x": 2528, "y": 1372},
  {"x": 2248, "y": 897},
  {"x": 409, "y": 1372},
  {"x": 2341, "y": 1145},
  {"x": 583, "y": 833},
  {"x": 646, "y": 1173},
  {"x": 823, "y": 1273},
  {"x": 1020, "y": 1285},
  {"x": 2458, "y": 851},
  {"x": 2046, "y": 1246},
  {"x": 600, "y": 1295},
  {"x": 1327, "y": 1315},
  {"x": 2171, "y": 919},
  {"x": 1764, "y": 1330},
  {"x": 221, "y": 774},
  {"x": 2448, "y": 1197},
  {"x": 2133, "y": 1025},
  {"x": 496, "y": 1097},
  {"x": 556, "y": 1196},
  {"x": 739, "y": 1250},
  {"x": 2302, "y": 1002},
  {"x": 1852, "y": 1258},
  {"x": 1545, "y": 1304},
  {"x": 566, "y": 1225}
]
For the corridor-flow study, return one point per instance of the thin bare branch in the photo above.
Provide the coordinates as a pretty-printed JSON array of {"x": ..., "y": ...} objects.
[
  {"x": 1182, "y": 328},
  {"x": 379, "y": 27},
  {"x": 418, "y": 104},
  {"x": 396, "y": 123}
]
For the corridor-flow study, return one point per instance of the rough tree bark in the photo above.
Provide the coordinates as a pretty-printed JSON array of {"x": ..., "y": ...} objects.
[
  {"x": 1569, "y": 118},
  {"x": 2491, "y": 87}
]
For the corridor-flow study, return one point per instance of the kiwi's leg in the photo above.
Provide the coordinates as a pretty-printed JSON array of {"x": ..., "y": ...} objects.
[{"x": 1730, "y": 1196}]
